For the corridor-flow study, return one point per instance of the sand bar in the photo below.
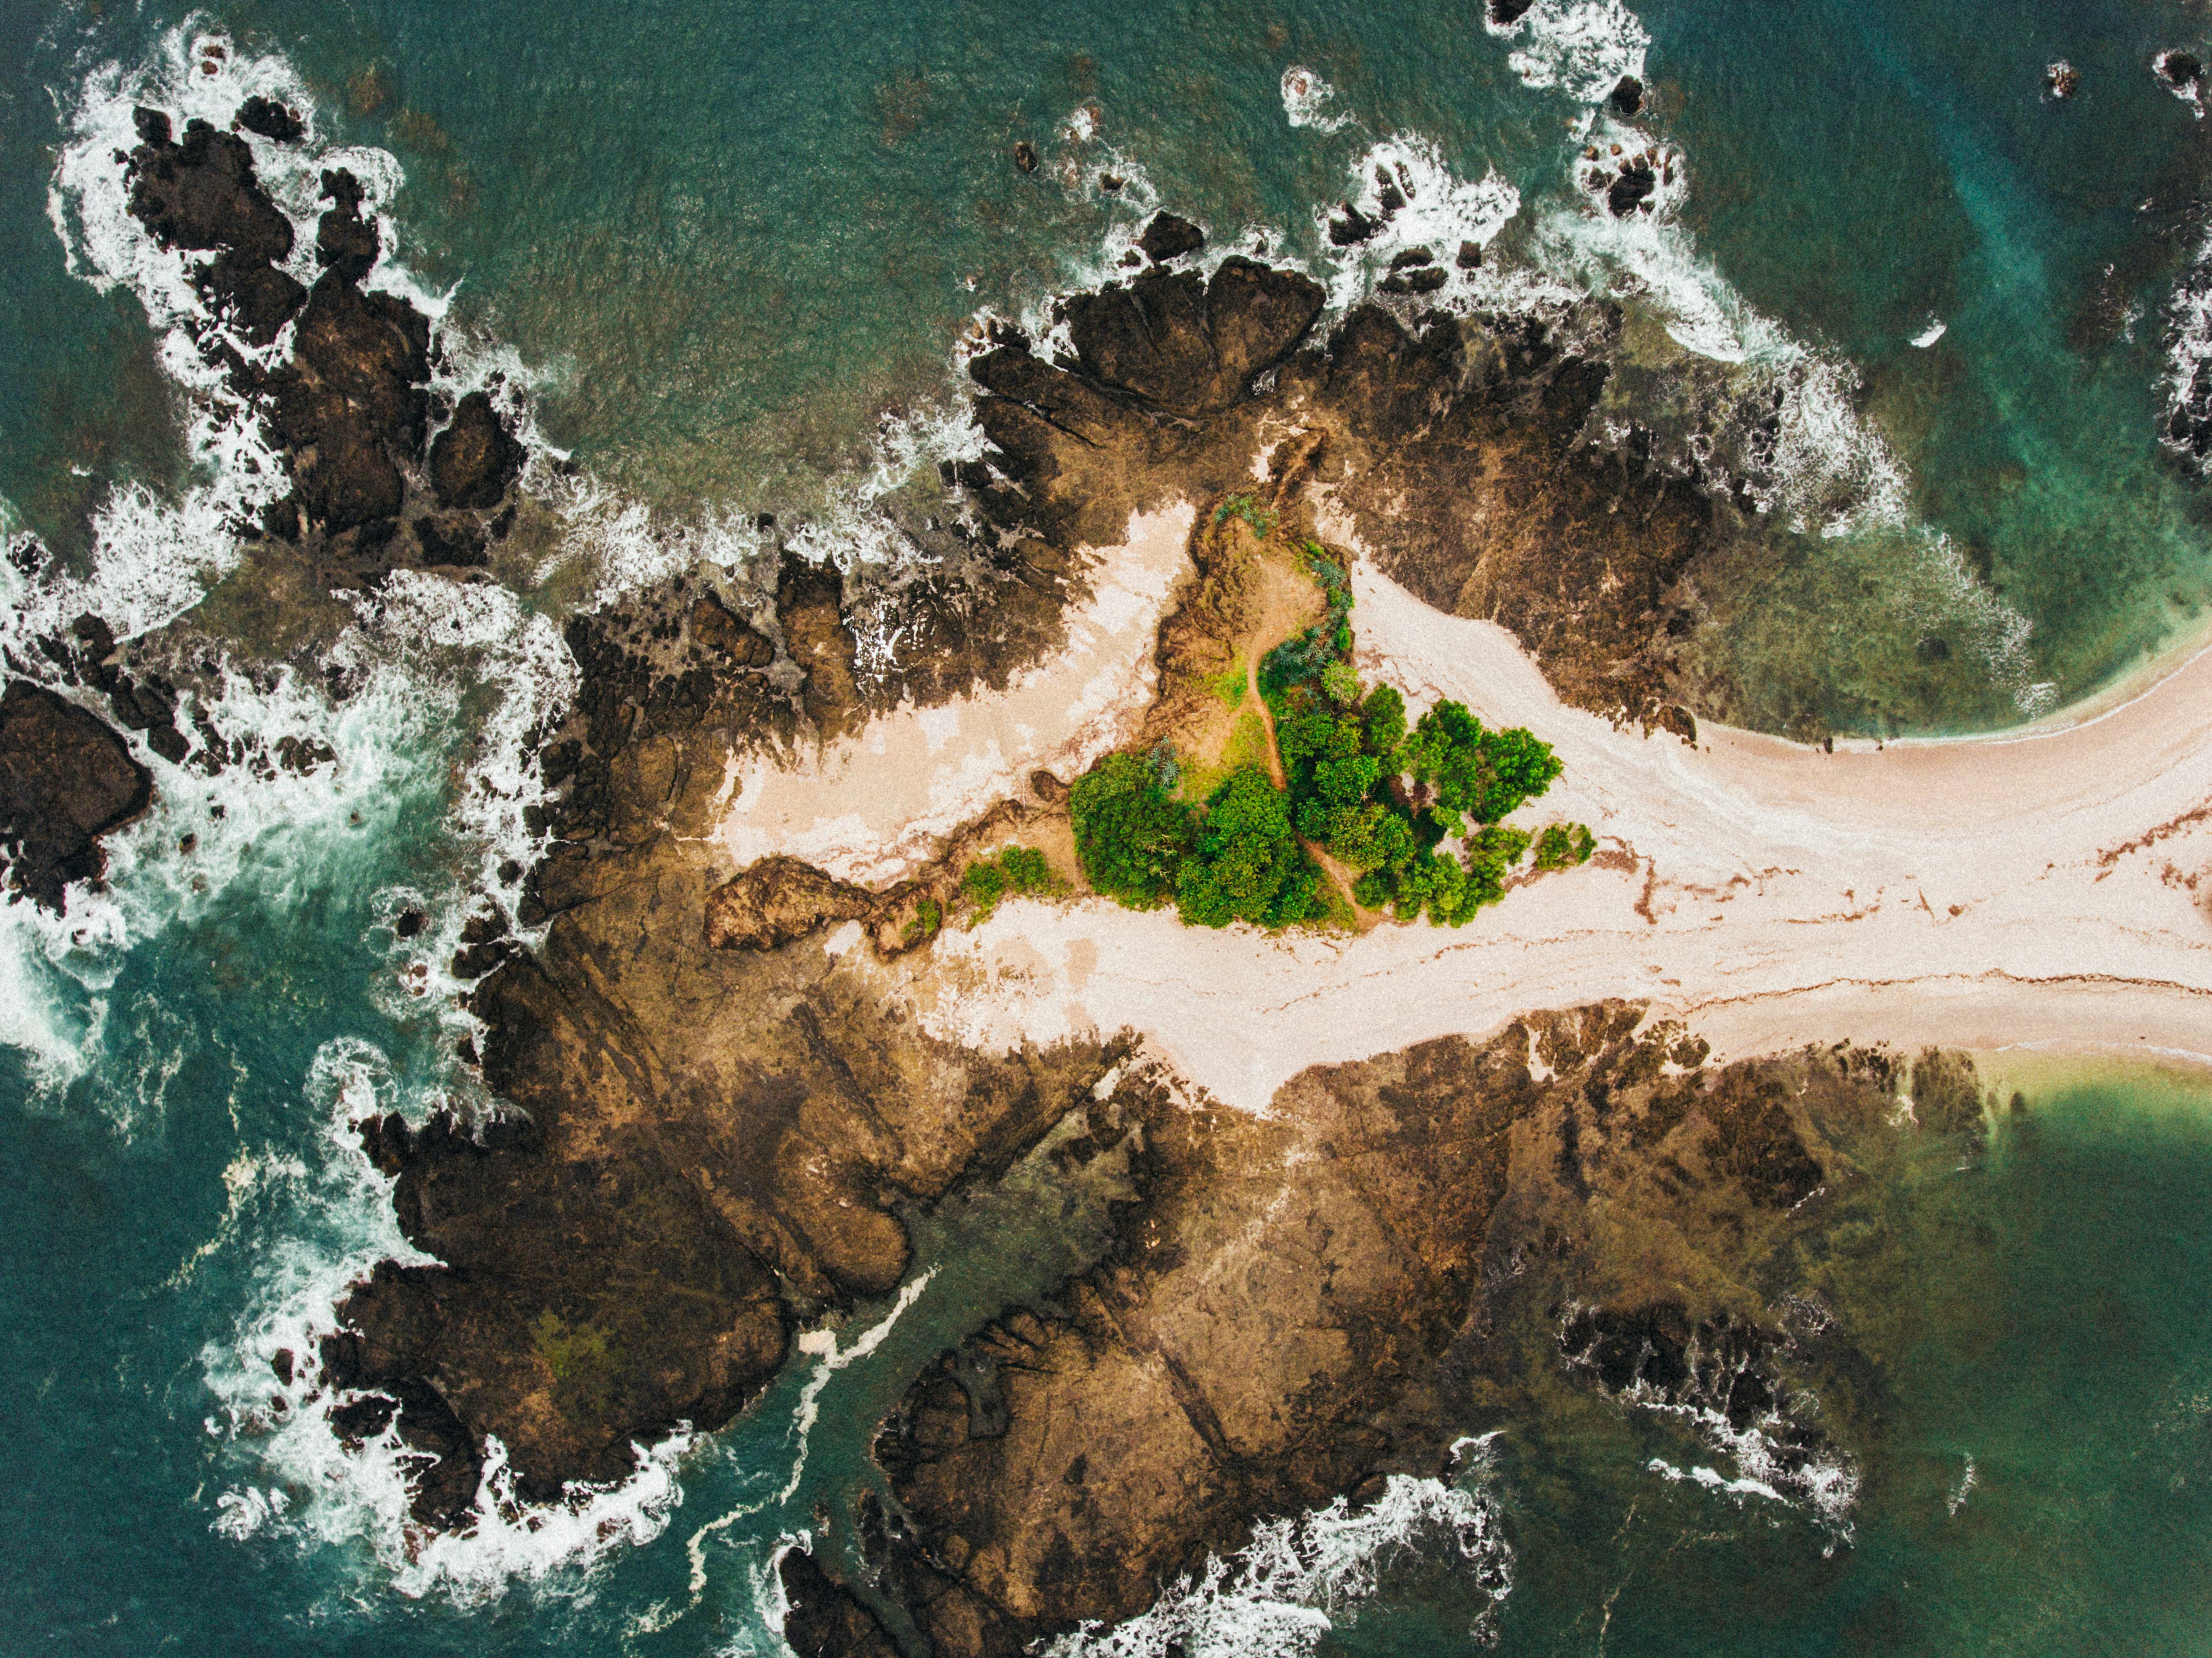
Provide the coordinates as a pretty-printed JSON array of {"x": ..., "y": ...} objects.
[{"x": 2034, "y": 890}]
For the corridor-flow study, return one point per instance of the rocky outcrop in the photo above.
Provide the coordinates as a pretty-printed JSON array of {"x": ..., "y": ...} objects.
[
  {"x": 65, "y": 781},
  {"x": 474, "y": 459},
  {"x": 1168, "y": 237},
  {"x": 1465, "y": 452},
  {"x": 710, "y": 1145},
  {"x": 779, "y": 900},
  {"x": 350, "y": 409},
  {"x": 1300, "y": 1304}
]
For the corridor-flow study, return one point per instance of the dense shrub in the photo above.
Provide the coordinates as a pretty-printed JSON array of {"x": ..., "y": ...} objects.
[
  {"x": 1023, "y": 871},
  {"x": 1131, "y": 836}
]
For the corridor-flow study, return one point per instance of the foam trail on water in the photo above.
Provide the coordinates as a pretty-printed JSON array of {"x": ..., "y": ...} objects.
[
  {"x": 1300, "y": 1578},
  {"x": 313, "y": 1225}
]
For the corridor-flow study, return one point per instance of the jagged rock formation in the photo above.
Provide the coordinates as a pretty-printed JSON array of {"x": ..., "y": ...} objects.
[
  {"x": 1299, "y": 1305},
  {"x": 350, "y": 411},
  {"x": 65, "y": 781},
  {"x": 711, "y": 1147},
  {"x": 1462, "y": 451}
]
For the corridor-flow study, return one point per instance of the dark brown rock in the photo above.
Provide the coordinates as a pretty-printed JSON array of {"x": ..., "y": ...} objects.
[
  {"x": 1628, "y": 190},
  {"x": 1169, "y": 238},
  {"x": 202, "y": 193},
  {"x": 455, "y": 539},
  {"x": 474, "y": 459},
  {"x": 65, "y": 779},
  {"x": 824, "y": 1620},
  {"x": 714, "y": 626},
  {"x": 1191, "y": 348},
  {"x": 1425, "y": 280},
  {"x": 270, "y": 119},
  {"x": 345, "y": 242},
  {"x": 1255, "y": 1348},
  {"x": 779, "y": 900},
  {"x": 1626, "y": 97}
]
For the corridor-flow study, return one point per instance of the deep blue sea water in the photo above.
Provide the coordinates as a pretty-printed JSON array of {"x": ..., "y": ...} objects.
[{"x": 726, "y": 242}]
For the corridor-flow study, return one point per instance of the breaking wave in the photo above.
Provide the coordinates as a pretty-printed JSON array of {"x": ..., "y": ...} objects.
[{"x": 1300, "y": 1578}]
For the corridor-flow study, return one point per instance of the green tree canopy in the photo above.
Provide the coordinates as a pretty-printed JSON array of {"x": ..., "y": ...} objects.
[{"x": 1130, "y": 836}]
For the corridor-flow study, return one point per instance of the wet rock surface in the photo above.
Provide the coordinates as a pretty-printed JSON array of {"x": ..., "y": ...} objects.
[
  {"x": 66, "y": 778},
  {"x": 350, "y": 410},
  {"x": 1299, "y": 1305}
]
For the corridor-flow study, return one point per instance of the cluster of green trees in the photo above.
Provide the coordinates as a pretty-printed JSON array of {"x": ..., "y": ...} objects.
[
  {"x": 1375, "y": 795},
  {"x": 1236, "y": 859},
  {"x": 1382, "y": 799}
]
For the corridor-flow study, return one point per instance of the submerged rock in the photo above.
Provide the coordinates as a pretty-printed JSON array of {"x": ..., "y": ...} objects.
[{"x": 66, "y": 778}]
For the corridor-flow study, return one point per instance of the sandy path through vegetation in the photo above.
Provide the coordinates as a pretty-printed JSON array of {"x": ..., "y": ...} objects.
[{"x": 2038, "y": 889}]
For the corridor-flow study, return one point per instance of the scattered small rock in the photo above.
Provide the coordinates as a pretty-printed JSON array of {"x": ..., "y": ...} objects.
[{"x": 2061, "y": 79}]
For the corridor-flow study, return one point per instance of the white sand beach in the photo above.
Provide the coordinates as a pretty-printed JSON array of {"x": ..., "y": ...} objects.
[{"x": 2036, "y": 889}]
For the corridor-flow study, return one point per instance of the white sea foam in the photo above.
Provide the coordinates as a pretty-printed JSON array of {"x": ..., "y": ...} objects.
[
  {"x": 1307, "y": 98},
  {"x": 1927, "y": 337},
  {"x": 311, "y": 1227},
  {"x": 1827, "y": 1484},
  {"x": 1300, "y": 1578},
  {"x": 1581, "y": 46},
  {"x": 2190, "y": 92},
  {"x": 1441, "y": 210},
  {"x": 2188, "y": 352}
]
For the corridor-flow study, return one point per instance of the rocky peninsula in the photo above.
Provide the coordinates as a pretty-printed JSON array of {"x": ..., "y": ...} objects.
[{"x": 727, "y": 1088}]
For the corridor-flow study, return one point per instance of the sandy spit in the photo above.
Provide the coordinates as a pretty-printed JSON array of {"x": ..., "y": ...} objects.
[
  {"x": 2042, "y": 890},
  {"x": 868, "y": 807}
]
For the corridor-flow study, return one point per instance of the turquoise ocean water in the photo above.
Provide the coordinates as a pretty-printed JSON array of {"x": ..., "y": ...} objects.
[{"x": 726, "y": 242}]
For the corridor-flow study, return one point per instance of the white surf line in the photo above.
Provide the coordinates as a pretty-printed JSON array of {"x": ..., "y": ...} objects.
[{"x": 833, "y": 1359}]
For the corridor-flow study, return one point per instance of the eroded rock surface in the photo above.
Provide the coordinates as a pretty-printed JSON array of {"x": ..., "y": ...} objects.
[
  {"x": 1300, "y": 1304},
  {"x": 65, "y": 781}
]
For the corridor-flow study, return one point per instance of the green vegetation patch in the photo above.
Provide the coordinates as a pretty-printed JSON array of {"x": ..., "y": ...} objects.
[
  {"x": 1564, "y": 846},
  {"x": 1016, "y": 872},
  {"x": 1309, "y": 654},
  {"x": 1377, "y": 796},
  {"x": 583, "y": 1360},
  {"x": 1246, "y": 506}
]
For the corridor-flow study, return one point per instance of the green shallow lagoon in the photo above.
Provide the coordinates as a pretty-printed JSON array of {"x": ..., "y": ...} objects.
[{"x": 2035, "y": 1433}]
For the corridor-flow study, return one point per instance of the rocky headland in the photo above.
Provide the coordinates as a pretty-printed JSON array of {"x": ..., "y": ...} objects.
[{"x": 715, "y": 1126}]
